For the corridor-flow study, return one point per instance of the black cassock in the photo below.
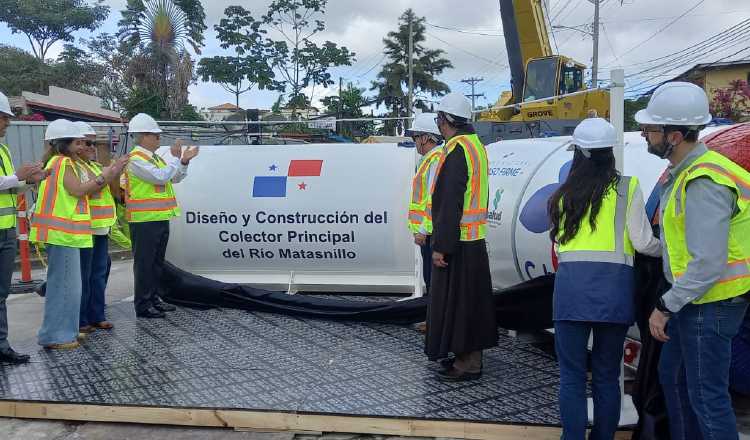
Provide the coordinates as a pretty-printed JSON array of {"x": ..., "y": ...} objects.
[{"x": 461, "y": 312}]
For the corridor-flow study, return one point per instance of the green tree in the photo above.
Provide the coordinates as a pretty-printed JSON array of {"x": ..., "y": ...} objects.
[
  {"x": 116, "y": 55},
  {"x": 158, "y": 31},
  {"x": 631, "y": 107},
  {"x": 278, "y": 105},
  {"x": 75, "y": 70},
  {"x": 392, "y": 81},
  {"x": 350, "y": 106},
  {"x": 296, "y": 57},
  {"x": 189, "y": 113},
  {"x": 164, "y": 22},
  {"x": 249, "y": 66},
  {"x": 45, "y": 22},
  {"x": 21, "y": 71}
]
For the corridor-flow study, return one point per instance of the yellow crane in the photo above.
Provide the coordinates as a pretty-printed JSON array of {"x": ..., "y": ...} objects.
[{"x": 534, "y": 107}]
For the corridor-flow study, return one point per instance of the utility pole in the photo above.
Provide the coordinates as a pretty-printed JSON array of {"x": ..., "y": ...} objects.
[
  {"x": 595, "y": 60},
  {"x": 473, "y": 96},
  {"x": 410, "y": 100},
  {"x": 338, "y": 109}
]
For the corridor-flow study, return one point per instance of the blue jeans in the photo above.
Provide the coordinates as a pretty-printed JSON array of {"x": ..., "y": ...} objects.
[
  {"x": 94, "y": 271},
  {"x": 62, "y": 302},
  {"x": 571, "y": 345},
  {"x": 694, "y": 370}
]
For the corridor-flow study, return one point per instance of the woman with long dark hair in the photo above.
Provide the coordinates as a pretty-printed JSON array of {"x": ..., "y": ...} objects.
[
  {"x": 62, "y": 221},
  {"x": 598, "y": 222}
]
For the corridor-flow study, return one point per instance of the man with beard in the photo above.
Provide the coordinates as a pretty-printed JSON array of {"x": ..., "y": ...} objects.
[
  {"x": 461, "y": 314},
  {"x": 705, "y": 225}
]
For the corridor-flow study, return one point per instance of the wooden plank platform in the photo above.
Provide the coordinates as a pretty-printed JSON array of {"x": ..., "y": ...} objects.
[{"x": 278, "y": 421}]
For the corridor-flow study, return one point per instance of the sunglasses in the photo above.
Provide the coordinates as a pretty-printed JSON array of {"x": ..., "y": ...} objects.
[{"x": 90, "y": 143}]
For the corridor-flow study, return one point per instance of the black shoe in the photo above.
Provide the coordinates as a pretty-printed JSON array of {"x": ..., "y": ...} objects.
[
  {"x": 164, "y": 307},
  {"x": 151, "y": 312},
  {"x": 454, "y": 375},
  {"x": 13, "y": 357}
]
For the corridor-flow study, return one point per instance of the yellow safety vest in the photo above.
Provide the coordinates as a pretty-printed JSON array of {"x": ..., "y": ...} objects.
[
  {"x": 474, "y": 218},
  {"x": 102, "y": 203},
  {"x": 420, "y": 211},
  {"x": 609, "y": 242},
  {"x": 7, "y": 196},
  {"x": 146, "y": 201},
  {"x": 735, "y": 280},
  {"x": 59, "y": 217}
]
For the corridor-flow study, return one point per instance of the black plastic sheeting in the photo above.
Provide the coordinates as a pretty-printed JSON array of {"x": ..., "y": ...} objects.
[{"x": 523, "y": 307}]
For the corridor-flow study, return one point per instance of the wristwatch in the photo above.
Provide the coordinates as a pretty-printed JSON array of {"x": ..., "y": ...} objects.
[
  {"x": 100, "y": 180},
  {"x": 662, "y": 307}
]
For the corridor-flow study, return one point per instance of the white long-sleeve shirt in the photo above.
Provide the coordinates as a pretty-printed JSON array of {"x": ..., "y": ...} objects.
[
  {"x": 174, "y": 172},
  {"x": 9, "y": 182},
  {"x": 639, "y": 227}
]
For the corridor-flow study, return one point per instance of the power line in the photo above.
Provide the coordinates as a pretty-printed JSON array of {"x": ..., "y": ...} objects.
[
  {"x": 609, "y": 43},
  {"x": 466, "y": 51},
  {"x": 727, "y": 37},
  {"x": 463, "y": 31},
  {"x": 559, "y": 11},
  {"x": 551, "y": 29},
  {"x": 710, "y": 40},
  {"x": 675, "y": 16},
  {"x": 643, "y": 85},
  {"x": 700, "y": 2},
  {"x": 374, "y": 66}
]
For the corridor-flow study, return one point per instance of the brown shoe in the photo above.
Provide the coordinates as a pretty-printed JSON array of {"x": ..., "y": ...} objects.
[
  {"x": 421, "y": 327},
  {"x": 63, "y": 346},
  {"x": 86, "y": 329},
  {"x": 104, "y": 325}
]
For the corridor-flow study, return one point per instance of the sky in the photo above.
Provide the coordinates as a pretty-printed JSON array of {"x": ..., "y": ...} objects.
[{"x": 470, "y": 32}]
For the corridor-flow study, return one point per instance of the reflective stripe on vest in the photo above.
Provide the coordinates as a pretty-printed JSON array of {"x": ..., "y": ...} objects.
[
  {"x": 145, "y": 201},
  {"x": 60, "y": 218},
  {"x": 7, "y": 196},
  {"x": 622, "y": 252},
  {"x": 420, "y": 211},
  {"x": 101, "y": 203},
  {"x": 476, "y": 197},
  {"x": 735, "y": 279}
]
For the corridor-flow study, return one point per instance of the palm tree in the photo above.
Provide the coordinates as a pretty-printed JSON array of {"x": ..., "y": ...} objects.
[{"x": 160, "y": 30}]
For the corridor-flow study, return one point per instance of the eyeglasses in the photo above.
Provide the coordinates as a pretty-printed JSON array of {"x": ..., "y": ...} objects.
[
  {"x": 651, "y": 129},
  {"x": 90, "y": 143}
]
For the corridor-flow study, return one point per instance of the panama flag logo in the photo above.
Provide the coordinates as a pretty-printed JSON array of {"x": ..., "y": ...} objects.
[{"x": 276, "y": 186}]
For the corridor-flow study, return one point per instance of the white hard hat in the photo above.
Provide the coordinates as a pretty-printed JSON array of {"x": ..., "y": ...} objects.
[
  {"x": 676, "y": 103},
  {"x": 62, "y": 129},
  {"x": 455, "y": 104},
  {"x": 143, "y": 123},
  {"x": 5, "y": 105},
  {"x": 594, "y": 133},
  {"x": 424, "y": 123},
  {"x": 85, "y": 128}
]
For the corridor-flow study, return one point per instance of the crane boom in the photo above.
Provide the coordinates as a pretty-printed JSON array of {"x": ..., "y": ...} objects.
[{"x": 526, "y": 37}]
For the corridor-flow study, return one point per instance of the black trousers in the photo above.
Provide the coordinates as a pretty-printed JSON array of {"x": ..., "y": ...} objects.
[
  {"x": 427, "y": 262},
  {"x": 149, "y": 248}
]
